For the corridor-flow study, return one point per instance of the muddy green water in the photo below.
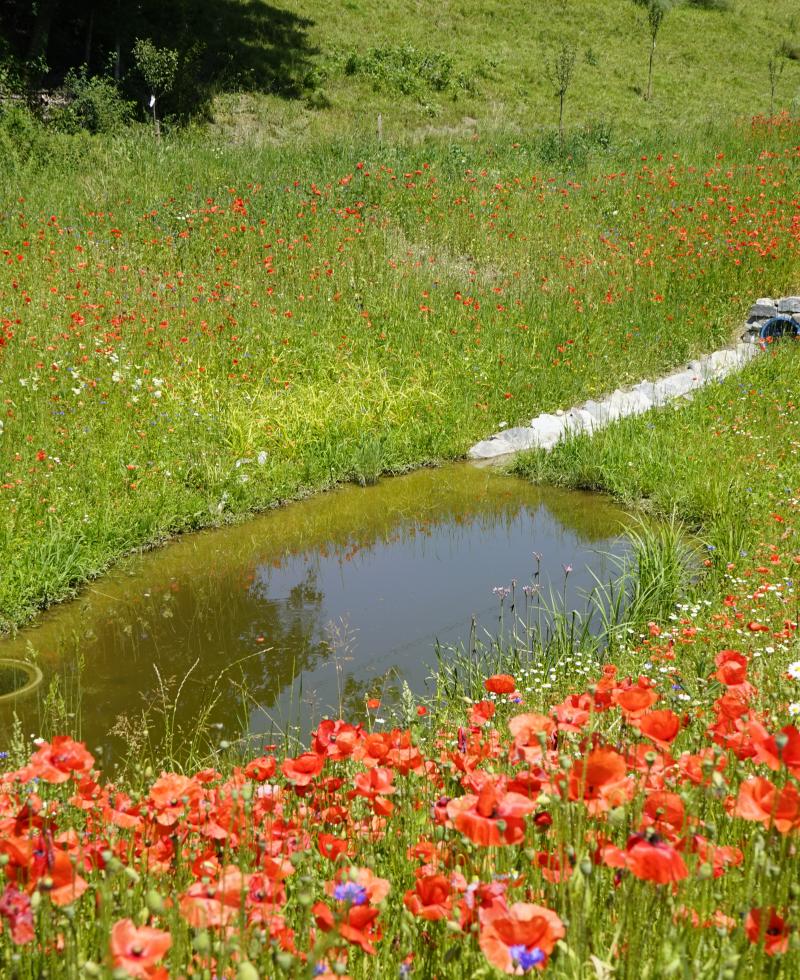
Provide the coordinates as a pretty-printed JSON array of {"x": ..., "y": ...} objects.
[{"x": 317, "y": 604}]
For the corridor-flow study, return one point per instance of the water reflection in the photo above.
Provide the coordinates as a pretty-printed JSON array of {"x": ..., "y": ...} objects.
[{"x": 313, "y": 604}]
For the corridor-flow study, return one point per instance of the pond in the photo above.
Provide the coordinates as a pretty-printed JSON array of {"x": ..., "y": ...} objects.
[{"x": 308, "y": 609}]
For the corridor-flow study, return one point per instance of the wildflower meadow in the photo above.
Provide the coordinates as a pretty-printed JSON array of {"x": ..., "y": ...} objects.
[{"x": 196, "y": 327}]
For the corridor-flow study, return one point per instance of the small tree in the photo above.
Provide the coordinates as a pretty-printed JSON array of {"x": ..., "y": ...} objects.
[
  {"x": 158, "y": 67},
  {"x": 559, "y": 71},
  {"x": 775, "y": 66},
  {"x": 656, "y": 11}
]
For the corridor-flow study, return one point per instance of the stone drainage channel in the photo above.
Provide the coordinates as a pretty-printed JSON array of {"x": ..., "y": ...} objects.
[{"x": 768, "y": 320}]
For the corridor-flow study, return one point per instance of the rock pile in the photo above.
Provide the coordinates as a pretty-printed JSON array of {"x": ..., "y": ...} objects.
[{"x": 773, "y": 318}]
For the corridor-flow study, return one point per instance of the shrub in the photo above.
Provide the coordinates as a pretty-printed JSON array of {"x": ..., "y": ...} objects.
[
  {"x": 94, "y": 103},
  {"x": 404, "y": 69}
]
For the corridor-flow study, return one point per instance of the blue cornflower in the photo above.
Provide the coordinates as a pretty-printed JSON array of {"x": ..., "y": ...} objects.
[
  {"x": 349, "y": 891},
  {"x": 526, "y": 958}
]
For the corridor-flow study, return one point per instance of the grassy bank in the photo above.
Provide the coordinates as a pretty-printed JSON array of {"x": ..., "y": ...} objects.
[
  {"x": 194, "y": 331},
  {"x": 724, "y": 463},
  {"x": 453, "y": 68},
  {"x": 636, "y": 819}
]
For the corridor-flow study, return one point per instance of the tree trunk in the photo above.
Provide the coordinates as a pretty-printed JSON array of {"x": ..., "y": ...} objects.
[
  {"x": 87, "y": 53},
  {"x": 40, "y": 37},
  {"x": 649, "y": 95},
  {"x": 561, "y": 116}
]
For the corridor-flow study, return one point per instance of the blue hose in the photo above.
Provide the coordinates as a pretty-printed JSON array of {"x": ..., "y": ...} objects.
[{"x": 779, "y": 326}]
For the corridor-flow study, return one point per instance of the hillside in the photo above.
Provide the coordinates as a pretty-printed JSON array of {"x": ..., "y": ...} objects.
[{"x": 454, "y": 66}]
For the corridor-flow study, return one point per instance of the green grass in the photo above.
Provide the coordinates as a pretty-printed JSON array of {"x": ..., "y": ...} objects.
[
  {"x": 725, "y": 462},
  {"x": 196, "y": 331},
  {"x": 457, "y": 68}
]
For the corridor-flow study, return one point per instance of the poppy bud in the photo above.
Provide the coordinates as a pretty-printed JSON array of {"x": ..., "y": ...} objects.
[
  {"x": 616, "y": 816},
  {"x": 202, "y": 942},
  {"x": 133, "y": 874},
  {"x": 91, "y": 969},
  {"x": 246, "y": 971},
  {"x": 586, "y": 866},
  {"x": 155, "y": 902},
  {"x": 705, "y": 871},
  {"x": 285, "y": 961},
  {"x": 305, "y": 899}
]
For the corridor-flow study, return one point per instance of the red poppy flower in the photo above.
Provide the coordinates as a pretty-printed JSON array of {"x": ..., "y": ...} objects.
[
  {"x": 760, "y": 800},
  {"x": 15, "y": 908},
  {"x": 732, "y": 668},
  {"x": 769, "y": 928},
  {"x": 500, "y": 684},
  {"x": 304, "y": 769},
  {"x": 648, "y": 858},
  {"x": 493, "y": 817},
  {"x": 600, "y": 780},
  {"x": 261, "y": 769},
  {"x": 481, "y": 713},
  {"x": 530, "y": 731},
  {"x": 356, "y": 924},
  {"x": 57, "y": 761},
  {"x": 635, "y": 700},
  {"x": 665, "y": 812},
  {"x": 661, "y": 727},
  {"x": 332, "y": 847},
  {"x": 137, "y": 950},
  {"x": 518, "y": 937},
  {"x": 430, "y": 898}
]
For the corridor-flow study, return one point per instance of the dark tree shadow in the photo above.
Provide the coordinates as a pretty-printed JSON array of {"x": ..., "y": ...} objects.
[{"x": 223, "y": 45}]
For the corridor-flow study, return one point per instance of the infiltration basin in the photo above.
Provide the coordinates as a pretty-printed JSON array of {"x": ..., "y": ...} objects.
[{"x": 311, "y": 607}]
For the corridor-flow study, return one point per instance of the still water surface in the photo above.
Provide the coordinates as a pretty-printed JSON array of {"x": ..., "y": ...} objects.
[{"x": 320, "y": 603}]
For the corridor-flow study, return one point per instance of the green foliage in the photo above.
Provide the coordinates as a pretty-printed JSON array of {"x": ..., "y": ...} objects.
[
  {"x": 22, "y": 136},
  {"x": 94, "y": 104},
  {"x": 404, "y": 69},
  {"x": 157, "y": 66},
  {"x": 721, "y": 5}
]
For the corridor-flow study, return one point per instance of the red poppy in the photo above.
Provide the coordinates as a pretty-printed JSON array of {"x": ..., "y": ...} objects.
[
  {"x": 137, "y": 950},
  {"x": 665, "y": 812},
  {"x": 332, "y": 847},
  {"x": 304, "y": 769},
  {"x": 16, "y": 909},
  {"x": 661, "y": 727},
  {"x": 336, "y": 739},
  {"x": 430, "y": 898},
  {"x": 769, "y": 928},
  {"x": 777, "y": 750},
  {"x": 261, "y": 769},
  {"x": 760, "y": 800},
  {"x": 636, "y": 699},
  {"x": 530, "y": 732},
  {"x": 500, "y": 684},
  {"x": 518, "y": 937},
  {"x": 648, "y": 858},
  {"x": 493, "y": 817},
  {"x": 600, "y": 780},
  {"x": 355, "y": 924},
  {"x": 731, "y": 668},
  {"x": 480, "y": 713},
  {"x": 57, "y": 761}
]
